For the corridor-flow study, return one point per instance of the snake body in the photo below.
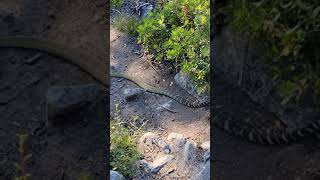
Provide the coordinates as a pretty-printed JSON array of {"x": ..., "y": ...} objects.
[
  {"x": 91, "y": 65},
  {"x": 269, "y": 137},
  {"x": 147, "y": 87},
  {"x": 99, "y": 70},
  {"x": 253, "y": 122}
]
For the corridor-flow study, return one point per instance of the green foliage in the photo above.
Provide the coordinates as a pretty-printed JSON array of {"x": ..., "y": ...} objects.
[
  {"x": 124, "y": 153},
  {"x": 179, "y": 32},
  {"x": 288, "y": 28},
  {"x": 127, "y": 24},
  {"x": 123, "y": 150},
  {"x": 117, "y": 3},
  {"x": 21, "y": 167}
]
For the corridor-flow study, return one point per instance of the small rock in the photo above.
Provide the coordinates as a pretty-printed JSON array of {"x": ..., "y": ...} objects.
[
  {"x": 147, "y": 140},
  {"x": 189, "y": 152},
  {"x": 164, "y": 146},
  {"x": 161, "y": 162},
  {"x": 145, "y": 9},
  {"x": 178, "y": 140},
  {"x": 157, "y": 164},
  {"x": 205, "y": 145},
  {"x": 132, "y": 93},
  {"x": 204, "y": 173},
  {"x": 185, "y": 82},
  {"x": 114, "y": 175},
  {"x": 150, "y": 139},
  {"x": 72, "y": 101}
]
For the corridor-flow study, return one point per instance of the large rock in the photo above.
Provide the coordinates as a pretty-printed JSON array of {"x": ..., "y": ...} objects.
[
  {"x": 114, "y": 175},
  {"x": 184, "y": 81},
  {"x": 73, "y": 103},
  {"x": 189, "y": 152},
  {"x": 161, "y": 162},
  {"x": 157, "y": 164}
]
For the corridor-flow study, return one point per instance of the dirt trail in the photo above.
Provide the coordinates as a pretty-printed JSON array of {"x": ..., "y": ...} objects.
[
  {"x": 72, "y": 148},
  {"x": 193, "y": 123}
]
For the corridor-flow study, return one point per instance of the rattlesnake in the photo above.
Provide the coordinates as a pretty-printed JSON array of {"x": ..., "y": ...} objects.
[
  {"x": 250, "y": 120},
  {"x": 268, "y": 136},
  {"x": 99, "y": 70},
  {"x": 96, "y": 68}
]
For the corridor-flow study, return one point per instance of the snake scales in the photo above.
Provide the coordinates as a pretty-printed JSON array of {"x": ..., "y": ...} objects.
[
  {"x": 94, "y": 67},
  {"x": 147, "y": 87},
  {"x": 268, "y": 136}
]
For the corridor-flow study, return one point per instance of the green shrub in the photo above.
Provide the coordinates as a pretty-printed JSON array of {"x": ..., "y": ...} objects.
[
  {"x": 123, "y": 150},
  {"x": 179, "y": 32},
  {"x": 291, "y": 30}
]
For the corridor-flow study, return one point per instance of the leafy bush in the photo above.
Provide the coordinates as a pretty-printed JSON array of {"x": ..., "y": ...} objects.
[
  {"x": 123, "y": 150},
  {"x": 179, "y": 32},
  {"x": 124, "y": 153},
  {"x": 291, "y": 30}
]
